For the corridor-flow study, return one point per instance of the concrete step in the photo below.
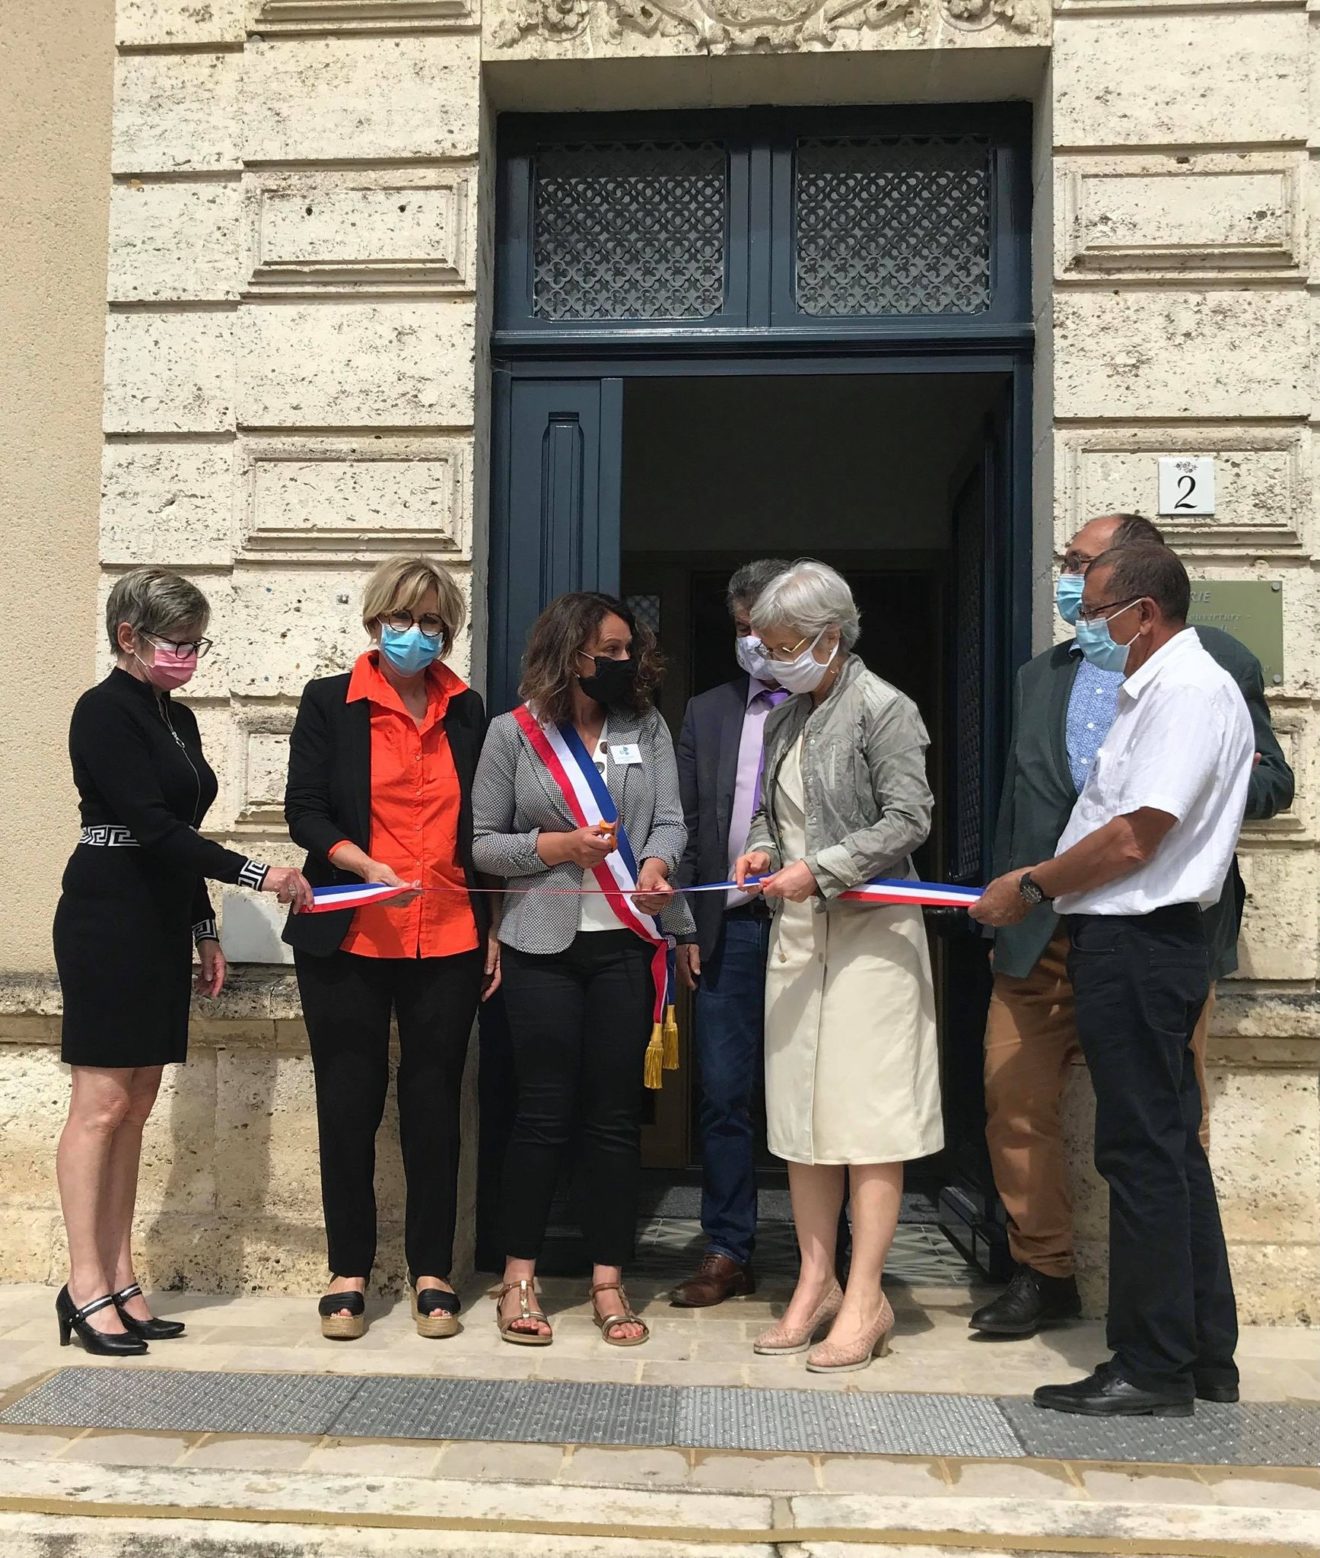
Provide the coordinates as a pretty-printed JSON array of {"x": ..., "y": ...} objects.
[{"x": 65, "y": 1509}]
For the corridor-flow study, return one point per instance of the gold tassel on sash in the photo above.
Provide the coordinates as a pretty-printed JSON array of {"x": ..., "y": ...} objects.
[
  {"x": 671, "y": 1040},
  {"x": 653, "y": 1074}
]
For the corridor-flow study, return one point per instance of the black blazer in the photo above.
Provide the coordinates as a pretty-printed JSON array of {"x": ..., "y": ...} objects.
[
  {"x": 707, "y": 773},
  {"x": 328, "y": 796}
]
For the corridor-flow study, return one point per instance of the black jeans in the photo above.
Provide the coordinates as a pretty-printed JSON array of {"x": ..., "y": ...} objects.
[
  {"x": 1140, "y": 982},
  {"x": 347, "y": 1002},
  {"x": 580, "y": 1021}
]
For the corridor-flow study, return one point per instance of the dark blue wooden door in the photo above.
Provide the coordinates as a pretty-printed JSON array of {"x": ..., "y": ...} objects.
[{"x": 555, "y": 508}]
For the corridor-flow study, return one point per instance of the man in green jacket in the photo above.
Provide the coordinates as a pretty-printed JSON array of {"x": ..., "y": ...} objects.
[{"x": 1063, "y": 708}]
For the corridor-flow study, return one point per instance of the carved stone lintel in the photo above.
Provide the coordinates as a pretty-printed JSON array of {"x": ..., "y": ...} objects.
[{"x": 760, "y": 26}]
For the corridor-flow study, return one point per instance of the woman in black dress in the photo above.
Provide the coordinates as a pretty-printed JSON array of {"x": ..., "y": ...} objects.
[{"x": 134, "y": 901}]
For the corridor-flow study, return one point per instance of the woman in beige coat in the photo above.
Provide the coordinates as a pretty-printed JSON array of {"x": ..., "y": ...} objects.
[{"x": 851, "y": 1061}]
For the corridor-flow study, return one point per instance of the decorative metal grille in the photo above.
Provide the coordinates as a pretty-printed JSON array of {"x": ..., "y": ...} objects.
[
  {"x": 646, "y": 609},
  {"x": 893, "y": 225},
  {"x": 630, "y": 231}
]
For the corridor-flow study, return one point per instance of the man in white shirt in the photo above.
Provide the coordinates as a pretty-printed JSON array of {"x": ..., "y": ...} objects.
[{"x": 1145, "y": 851}]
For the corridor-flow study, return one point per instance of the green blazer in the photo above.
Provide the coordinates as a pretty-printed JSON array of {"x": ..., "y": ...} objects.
[{"x": 1039, "y": 794}]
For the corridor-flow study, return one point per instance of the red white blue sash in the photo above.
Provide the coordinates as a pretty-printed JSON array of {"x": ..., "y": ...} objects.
[{"x": 590, "y": 804}]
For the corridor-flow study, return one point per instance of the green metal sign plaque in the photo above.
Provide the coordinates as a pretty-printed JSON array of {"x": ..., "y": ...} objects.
[{"x": 1251, "y": 610}]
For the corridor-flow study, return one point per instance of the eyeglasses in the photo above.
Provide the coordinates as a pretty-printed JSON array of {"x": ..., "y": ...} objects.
[
  {"x": 185, "y": 648},
  {"x": 401, "y": 620},
  {"x": 1115, "y": 607},
  {"x": 783, "y": 656}
]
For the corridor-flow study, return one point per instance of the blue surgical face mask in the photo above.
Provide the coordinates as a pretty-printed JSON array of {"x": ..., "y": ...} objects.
[
  {"x": 409, "y": 651},
  {"x": 1068, "y": 595},
  {"x": 1097, "y": 643}
]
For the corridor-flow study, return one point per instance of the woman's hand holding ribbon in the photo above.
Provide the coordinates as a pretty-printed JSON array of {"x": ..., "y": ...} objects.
[
  {"x": 383, "y": 875},
  {"x": 653, "y": 888},
  {"x": 794, "y": 882},
  {"x": 757, "y": 863}
]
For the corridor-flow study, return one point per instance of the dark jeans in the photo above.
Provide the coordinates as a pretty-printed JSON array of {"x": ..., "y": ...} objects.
[
  {"x": 730, "y": 1024},
  {"x": 580, "y": 1021},
  {"x": 1140, "y": 982},
  {"x": 347, "y": 1002}
]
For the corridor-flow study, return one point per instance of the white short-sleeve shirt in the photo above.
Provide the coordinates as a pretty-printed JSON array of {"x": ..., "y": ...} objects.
[{"x": 1181, "y": 743}]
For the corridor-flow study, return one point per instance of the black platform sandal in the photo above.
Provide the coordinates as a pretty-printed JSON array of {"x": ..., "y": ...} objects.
[
  {"x": 343, "y": 1328},
  {"x": 436, "y": 1312},
  {"x": 109, "y": 1344},
  {"x": 152, "y": 1330}
]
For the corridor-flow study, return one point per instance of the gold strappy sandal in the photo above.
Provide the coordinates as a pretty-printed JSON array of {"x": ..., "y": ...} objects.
[
  {"x": 526, "y": 1292},
  {"x": 607, "y": 1323}
]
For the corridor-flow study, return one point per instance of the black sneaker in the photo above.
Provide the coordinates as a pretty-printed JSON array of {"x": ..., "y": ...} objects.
[{"x": 1030, "y": 1301}]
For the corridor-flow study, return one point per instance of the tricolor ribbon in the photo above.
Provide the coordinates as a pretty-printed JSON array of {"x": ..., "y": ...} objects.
[{"x": 883, "y": 891}]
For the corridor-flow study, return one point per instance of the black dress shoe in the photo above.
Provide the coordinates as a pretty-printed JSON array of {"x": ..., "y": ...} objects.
[
  {"x": 1107, "y": 1394},
  {"x": 1030, "y": 1301},
  {"x": 1217, "y": 1385},
  {"x": 152, "y": 1330}
]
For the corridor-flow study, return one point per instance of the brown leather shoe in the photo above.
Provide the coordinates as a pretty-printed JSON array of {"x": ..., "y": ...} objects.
[{"x": 717, "y": 1278}]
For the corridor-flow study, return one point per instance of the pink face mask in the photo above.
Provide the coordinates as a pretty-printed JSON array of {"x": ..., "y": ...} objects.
[{"x": 167, "y": 668}]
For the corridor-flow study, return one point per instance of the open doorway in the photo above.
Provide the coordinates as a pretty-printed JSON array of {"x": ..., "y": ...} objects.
[{"x": 886, "y": 477}]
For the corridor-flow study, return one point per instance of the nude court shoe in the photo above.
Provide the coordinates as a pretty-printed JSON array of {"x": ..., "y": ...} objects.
[
  {"x": 834, "y": 1358},
  {"x": 781, "y": 1338}
]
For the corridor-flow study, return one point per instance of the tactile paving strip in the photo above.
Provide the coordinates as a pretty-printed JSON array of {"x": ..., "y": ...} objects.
[
  {"x": 522, "y": 1412},
  {"x": 1257, "y": 1433},
  {"x": 859, "y": 1423},
  {"x": 697, "y": 1417},
  {"x": 190, "y": 1402}
]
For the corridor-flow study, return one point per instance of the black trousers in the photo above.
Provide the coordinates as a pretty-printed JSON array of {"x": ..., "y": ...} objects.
[
  {"x": 1140, "y": 982},
  {"x": 347, "y": 1004},
  {"x": 580, "y": 1021}
]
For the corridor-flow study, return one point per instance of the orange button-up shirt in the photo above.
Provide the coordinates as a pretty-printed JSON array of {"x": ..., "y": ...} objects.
[{"x": 414, "y": 821}]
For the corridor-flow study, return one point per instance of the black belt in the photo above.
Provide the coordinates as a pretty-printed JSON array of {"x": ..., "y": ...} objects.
[
  {"x": 1166, "y": 914},
  {"x": 754, "y": 909}
]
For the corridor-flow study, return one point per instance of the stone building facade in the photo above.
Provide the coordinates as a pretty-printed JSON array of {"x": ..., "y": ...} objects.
[{"x": 298, "y": 382}]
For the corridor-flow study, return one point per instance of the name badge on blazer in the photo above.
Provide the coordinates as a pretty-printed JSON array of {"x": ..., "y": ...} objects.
[{"x": 625, "y": 753}]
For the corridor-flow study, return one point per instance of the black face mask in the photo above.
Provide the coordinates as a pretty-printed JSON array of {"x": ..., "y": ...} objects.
[{"x": 612, "y": 682}]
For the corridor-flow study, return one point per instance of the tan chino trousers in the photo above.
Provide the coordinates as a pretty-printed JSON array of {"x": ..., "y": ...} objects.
[{"x": 1030, "y": 1042}]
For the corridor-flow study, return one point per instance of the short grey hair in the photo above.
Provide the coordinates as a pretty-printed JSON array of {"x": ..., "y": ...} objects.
[
  {"x": 808, "y": 597},
  {"x": 750, "y": 580},
  {"x": 154, "y": 601}
]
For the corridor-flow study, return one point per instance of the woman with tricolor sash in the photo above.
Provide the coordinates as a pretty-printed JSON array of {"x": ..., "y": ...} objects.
[
  {"x": 576, "y": 806},
  {"x": 381, "y": 763},
  {"x": 851, "y": 1059}
]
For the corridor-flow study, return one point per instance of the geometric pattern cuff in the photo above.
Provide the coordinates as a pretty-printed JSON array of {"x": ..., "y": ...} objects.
[
  {"x": 205, "y": 930},
  {"x": 252, "y": 874}
]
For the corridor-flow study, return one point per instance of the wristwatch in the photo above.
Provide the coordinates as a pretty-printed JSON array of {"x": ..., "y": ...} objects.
[{"x": 1031, "y": 890}]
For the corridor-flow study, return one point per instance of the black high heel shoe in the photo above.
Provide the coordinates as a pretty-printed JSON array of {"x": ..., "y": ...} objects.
[
  {"x": 109, "y": 1344},
  {"x": 152, "y": 1330}
]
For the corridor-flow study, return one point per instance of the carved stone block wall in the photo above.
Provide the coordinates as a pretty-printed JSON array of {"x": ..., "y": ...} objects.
[
  {"x": 1184, "y": 324},
  {"x": 289, "y": 397}
]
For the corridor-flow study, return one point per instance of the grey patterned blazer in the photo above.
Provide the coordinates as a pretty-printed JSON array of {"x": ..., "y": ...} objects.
[{"x": 514, "y": 798}]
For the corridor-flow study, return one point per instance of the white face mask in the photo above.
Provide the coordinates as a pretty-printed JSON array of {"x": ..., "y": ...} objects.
[
  {"x": 751, "y": 656},
  {"x": 805, "y": 673}
]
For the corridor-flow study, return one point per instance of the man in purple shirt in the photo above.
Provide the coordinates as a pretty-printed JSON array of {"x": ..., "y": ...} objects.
[{"x": 719, "y": 774}]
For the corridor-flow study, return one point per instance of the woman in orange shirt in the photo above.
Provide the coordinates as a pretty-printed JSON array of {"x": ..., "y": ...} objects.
[{"x": 381, "y": 762}]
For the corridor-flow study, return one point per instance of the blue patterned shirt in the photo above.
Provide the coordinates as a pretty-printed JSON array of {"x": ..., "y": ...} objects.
[{"x": 1092, "y": 707}]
